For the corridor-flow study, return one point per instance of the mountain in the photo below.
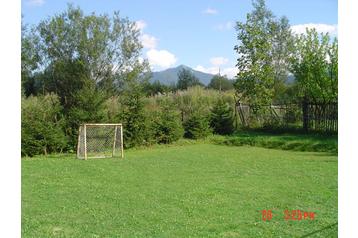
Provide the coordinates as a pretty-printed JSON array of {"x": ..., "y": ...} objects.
[{"x": 170, "y": 76}]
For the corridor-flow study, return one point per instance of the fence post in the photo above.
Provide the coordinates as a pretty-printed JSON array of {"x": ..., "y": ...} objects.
[
  {"x": 85, "y": 139},
  {"x": 305, "y": 114}
]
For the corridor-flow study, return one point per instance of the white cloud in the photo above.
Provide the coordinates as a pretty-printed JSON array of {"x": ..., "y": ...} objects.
[
  {"x": 210, "y": 11},
  {"x": 230, "y": 72},
  {"x": 215, "y": 68},
  {"x": 217, "y": 61},
  {"x": 210, "y": 70},
  {"x": 140, "y": 25},
  {"x": 36, "y": 2},
  {"x": 324, "y": 28},
  {"x": 224, "y": 26},
  {"x": 148, "y": 41},
  {"x": 157, "y": 58},
  {"x": 161, "y": 58}
]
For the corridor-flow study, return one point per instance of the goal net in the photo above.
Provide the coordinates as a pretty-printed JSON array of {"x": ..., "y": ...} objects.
[{"x": 100, "y": 141}]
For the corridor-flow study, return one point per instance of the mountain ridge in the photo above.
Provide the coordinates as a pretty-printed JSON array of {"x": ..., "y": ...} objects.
[{"x": 170, "y": 76}]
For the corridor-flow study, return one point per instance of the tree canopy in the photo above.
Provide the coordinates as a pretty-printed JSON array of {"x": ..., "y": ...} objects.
[
  {"x": 264, "y": 47},
  {"x": 219, "y": 82},
  {"x": 315, "y": 66},
  {"x": 187, "y": 79}
]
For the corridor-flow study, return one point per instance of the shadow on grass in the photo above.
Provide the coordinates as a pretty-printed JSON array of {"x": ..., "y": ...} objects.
[
  {"x": 295, "y": 142},
  {"x": 318, "y": 231}
]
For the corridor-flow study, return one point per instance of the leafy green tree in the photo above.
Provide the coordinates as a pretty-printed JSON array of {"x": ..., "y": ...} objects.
[
  {"x": 333, "y": 70},
  {"x": 264, "y": 50},
  {"x": 66, "y": 78},
  {"x": 42, "y": 125},
  {"x": 85, "y": 59},
  {"x": 283, "y": 47},
  {"x": 107, "y": 46},
  {"x": 29, "y": 60},
  {"x": 221, "y": 83},
  {"x": 187, "y": 79},
  {"x": 197, "y": 126},
  {"x": 81, "y": 99},
  {"x": 221, "y": 119},
  {"x": 255, "y": 79},
  {"x": 167, "y": 125},
  {"x": 315, "y": 67}
]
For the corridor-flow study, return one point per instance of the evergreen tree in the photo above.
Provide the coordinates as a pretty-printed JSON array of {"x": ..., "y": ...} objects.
[
  {"x": 42, "y": 125},
  {"x": 135, "y": 121},
  {"x": 222, "y": 120},
  {"x": 167, "y": 126},
  {"x": 197, "y": 126}
]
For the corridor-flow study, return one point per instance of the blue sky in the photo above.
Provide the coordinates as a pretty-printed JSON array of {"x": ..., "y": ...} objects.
[{"x": 199, "y": 34}]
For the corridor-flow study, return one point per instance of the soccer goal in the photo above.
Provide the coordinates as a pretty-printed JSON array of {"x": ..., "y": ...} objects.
[{"x": 100, "y": 141}]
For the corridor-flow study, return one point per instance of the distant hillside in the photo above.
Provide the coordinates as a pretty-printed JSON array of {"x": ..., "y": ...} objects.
[{"x": 170, "y": 76}]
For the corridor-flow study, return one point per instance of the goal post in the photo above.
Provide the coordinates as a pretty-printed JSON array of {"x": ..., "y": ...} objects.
[{"x": 97, "y": 140}]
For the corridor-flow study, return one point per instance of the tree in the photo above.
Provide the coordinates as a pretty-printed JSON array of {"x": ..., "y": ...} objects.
[
  {"x": 333, "y": 70},
  {"x": 85, "y": 59},
  {"x": 315, "y": 67},
  {"x": 156, "y": 88},
  {"x": 88, "y": 107},
  {"x": 133, "y": 116},
  {"x": 221, "y": 119},
  {"x": 283, "y": 47},
  {"x": 187, "y": 79},
  {"x": 42, "y": 125},
  {"x": 29, "y": 60},
  {"x": 167, "y": 125},
  {"x": 197, "y": 126},
  {"x": 107, "y": 46},
  {"x": 263, "y": 54},
  {"x": 221, "y": 83}
]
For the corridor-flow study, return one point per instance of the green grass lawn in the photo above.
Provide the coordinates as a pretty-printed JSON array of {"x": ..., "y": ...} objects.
[{"x": 199, "y": 190}]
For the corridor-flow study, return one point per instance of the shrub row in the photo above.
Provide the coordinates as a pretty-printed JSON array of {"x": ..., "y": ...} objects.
[
  {"x": 48, "y": 128},
  {"x": 42, "y": 126}
]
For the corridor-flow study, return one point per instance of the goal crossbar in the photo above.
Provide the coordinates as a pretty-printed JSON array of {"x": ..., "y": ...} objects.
[{"x": 100, "y": 140}]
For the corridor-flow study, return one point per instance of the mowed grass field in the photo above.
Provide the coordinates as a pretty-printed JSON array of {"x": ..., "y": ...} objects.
[{"x": 199, "y": 190}]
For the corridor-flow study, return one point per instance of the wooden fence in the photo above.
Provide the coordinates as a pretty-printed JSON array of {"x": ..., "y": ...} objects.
[
  {"x": 309, "y": 116},
  {"x": 320, "y": 116}
]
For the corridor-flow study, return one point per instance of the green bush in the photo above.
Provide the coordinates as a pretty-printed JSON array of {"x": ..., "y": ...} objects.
[
  {"x": 197, "y": 126},
  {"x": 42, "y": 125},
  {"x": 167, "y": 125},
  {"x": 222, "y": 120},
  {"x": 88, "y": 107},
  {"x": 135, "y": 120}
]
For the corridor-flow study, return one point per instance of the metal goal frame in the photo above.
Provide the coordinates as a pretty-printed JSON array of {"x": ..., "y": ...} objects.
[{"x": 92, "y": 137}]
